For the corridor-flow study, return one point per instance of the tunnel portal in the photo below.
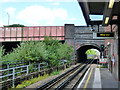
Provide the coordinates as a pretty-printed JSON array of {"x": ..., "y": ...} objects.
[{"x": 81, "y": 56}]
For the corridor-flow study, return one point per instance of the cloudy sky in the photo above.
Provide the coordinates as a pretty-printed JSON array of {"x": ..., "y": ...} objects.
[{"x": 41, "y": 12}]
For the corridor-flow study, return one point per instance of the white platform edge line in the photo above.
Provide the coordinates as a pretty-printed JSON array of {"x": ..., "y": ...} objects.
[
  {"x": 83, "y": 78},
  {"x": 97, "y": 79}
]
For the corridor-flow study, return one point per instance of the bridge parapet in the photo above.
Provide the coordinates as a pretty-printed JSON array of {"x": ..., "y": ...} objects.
[{"x": 30, "y": 33}]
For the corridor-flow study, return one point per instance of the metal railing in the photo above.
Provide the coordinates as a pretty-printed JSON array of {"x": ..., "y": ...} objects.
[{"x": 12, "y": 72}]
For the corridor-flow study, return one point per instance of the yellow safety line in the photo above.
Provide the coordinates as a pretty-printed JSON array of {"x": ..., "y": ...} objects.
[{"x": 85, "y": 86}]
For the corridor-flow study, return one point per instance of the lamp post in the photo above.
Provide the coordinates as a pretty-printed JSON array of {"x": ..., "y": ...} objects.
[{"x": 8, "y": 18}]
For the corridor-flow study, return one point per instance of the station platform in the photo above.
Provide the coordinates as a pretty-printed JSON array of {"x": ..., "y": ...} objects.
[{"x": 98, "y": 78}]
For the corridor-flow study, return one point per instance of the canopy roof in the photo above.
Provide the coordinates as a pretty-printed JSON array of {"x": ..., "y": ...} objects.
[{"x": 100, "y": 7}]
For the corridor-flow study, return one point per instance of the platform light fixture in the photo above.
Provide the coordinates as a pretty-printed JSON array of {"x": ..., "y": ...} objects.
[
  {"x": 108, "y": 43},
  {"x": 111, "y": 3},
  {"x": 106, "y": 20}
]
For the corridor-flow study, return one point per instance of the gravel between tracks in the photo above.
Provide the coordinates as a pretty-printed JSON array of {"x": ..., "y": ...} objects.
[{"x": 35, "y": 85}]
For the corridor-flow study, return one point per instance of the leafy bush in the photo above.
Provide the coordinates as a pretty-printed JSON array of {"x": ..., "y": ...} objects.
[
  {"x": 64, "y": 51},
  {"x": 32, "y": 51},
  {"x": 49, "y": 50},
  {"x": 57, "y": 51},
  {"x": 55, "y": 73}
]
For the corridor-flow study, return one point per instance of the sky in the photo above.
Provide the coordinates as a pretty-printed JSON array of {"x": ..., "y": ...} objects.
[{"x": 41, "y": 12}]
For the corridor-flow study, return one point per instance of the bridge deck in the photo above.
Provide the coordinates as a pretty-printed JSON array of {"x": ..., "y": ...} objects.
[{"x": 30, "y": 33}]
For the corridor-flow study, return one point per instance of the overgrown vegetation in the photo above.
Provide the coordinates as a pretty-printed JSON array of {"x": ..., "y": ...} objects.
[
  {"x": 34, "y": 80},
  {"x": 55, "y": 73},
  {"x": 31, "y": 81},
  {"x": 48, "y": 50}
]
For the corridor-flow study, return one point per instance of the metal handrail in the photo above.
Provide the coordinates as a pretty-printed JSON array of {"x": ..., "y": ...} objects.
[{"x": 13, "y": 73}]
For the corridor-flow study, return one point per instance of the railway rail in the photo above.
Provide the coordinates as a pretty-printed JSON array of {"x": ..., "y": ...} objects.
[{"x": 69, "y": 79}]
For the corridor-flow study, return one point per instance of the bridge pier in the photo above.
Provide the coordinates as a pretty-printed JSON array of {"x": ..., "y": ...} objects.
[{"x": 70, "y": 37}]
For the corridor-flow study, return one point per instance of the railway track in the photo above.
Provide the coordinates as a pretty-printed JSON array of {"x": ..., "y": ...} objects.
[{"x": 69, "y": 79}]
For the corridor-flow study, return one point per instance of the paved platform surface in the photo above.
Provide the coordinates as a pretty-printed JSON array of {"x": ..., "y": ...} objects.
[{"x": 99, "y": 78}]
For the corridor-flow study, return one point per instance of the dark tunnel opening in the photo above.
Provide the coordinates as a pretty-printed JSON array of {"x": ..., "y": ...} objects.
[
  {"x": 81, "y": 56},
  {"x": 8, "y": 46}
]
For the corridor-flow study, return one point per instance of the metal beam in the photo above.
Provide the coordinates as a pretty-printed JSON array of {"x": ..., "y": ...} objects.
[
  {"x": 98, "y": 22},
  {"x": 107, "y": 13},
  {"x": 85, "y": 10}
]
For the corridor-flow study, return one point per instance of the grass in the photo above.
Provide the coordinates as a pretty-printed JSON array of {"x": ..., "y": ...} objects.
[
  {"x": 55, "y": 73},
  {"x": 34, "y": 80},
  {"x": 31, "y": 81}
]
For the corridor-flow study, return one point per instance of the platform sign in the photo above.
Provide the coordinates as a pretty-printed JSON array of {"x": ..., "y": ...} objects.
[
  {"x": 103, "y": 60},
  {"x": 103, "y": 35}
]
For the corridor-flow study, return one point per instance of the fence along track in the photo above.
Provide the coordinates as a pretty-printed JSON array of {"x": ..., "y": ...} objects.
[
  {"x": 70, "y": 75},
  {"x": 11, "y": 74}
]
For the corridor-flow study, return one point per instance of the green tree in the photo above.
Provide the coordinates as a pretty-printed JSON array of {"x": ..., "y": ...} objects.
[
  {"x": 51, "y": 47},
  {"x": 64, "y": 51},
  {"x": 91, "y": 51},
  {"x": 15, "y": 25},
  {"x": 57, "y": 51},
  {"x": 48, "y": 50},
  {"x": 29, "y": 51},
  {"x": 32, "y": 51}
]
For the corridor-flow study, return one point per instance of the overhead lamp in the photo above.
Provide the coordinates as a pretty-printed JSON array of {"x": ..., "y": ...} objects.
[
  {"x": 111, "y": 3},
  {"x": 106, "y": 20},
  {"x": 108, "y": 43}
]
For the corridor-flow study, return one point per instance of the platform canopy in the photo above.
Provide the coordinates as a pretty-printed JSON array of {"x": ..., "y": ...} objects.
[{"x": 108, "y": 9}]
